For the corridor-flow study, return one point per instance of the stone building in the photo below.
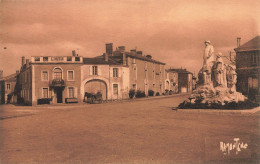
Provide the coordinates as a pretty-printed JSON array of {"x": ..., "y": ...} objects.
[
  {"x": 53, "y": 79},
  {"x": 145, "y": 73},
  {"x": 248, "y": 68},
  {"x": 171, "y": 81},
  {"x": 7, "y": 88},
  {"x": 184, "y": 80},
  {"x": 61, "y": 79}
]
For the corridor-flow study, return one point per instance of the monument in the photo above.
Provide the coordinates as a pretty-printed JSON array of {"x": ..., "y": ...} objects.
[{"x": 216, "y": 87}]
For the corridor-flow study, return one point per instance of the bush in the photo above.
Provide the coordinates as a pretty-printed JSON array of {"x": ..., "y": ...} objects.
[
  {"x": 44, "y": 101},
  {"x": 170, "y": 92},
  {"x": 157, "y": 94},
  {"x": 131, "y": 93},
  {"x": 150, "y": 93},
  {"x": 140, "y": 94}
]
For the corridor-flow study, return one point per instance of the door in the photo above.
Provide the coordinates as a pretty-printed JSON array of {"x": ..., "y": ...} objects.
[{"x": 59, "y": 95}]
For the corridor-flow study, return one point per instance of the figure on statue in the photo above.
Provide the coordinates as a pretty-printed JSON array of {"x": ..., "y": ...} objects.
[
  {"x": 208, "y": 57},
  {"x": 219, "y": 72},
  {"x": 208, "y": 62},
  {"x": 231, "y": 78}
]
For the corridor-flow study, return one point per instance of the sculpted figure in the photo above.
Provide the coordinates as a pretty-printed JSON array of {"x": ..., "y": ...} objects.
[
  {"x": 231, "y": 78},
  {"x": 220, "y": 72},
  {"x": 208, "y": 62},
  {"x": 209, "y": 57}
]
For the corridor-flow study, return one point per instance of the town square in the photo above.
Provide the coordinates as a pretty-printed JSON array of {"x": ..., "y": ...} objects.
[{"x": 129, "y": 82}]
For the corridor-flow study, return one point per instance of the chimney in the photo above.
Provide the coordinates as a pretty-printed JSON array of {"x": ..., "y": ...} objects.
[
  {"x": 1, "y": 74},
  {"x": 73, "y": 53},
  {"x": 124, "y": 59},
  {"x": 23, "y": 60},
  {"x": 109, "y": 48},
  {"x": 106, "y": 56},
  {"x": 17, "y": 72},
  {"x": 140, "y": 53},
  {"x": 238, "y": 41},
  {"x": 121, "y": 48},
  {"x": 133, "y": 51},
  {"x": 27, "y": 63}
]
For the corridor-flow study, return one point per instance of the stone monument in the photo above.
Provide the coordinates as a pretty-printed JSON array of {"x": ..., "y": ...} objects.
[{"x": 216, "y": 82}]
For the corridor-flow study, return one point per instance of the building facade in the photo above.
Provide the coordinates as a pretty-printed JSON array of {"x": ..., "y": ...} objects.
[
  {"x": 248, "y": 68},
  {"x": 171, "y": 81},
  {"x": 185, "y": 81},
  {"x": 65, "y": 79},
  {"x": 7, "y": 88}
]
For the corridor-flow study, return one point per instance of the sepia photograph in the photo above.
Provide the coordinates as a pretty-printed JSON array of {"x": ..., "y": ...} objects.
[{"x": 129, "y": 82}]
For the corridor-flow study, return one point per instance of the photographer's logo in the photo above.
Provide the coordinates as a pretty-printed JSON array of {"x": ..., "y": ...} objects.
[{"x": 236, "y": 146}]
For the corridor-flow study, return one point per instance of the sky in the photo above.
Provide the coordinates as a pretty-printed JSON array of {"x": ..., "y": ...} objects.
[{"x": 172, "y": 31}]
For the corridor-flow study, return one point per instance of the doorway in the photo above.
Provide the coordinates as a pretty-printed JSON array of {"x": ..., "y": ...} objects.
[{"x": 59, "y": 95}]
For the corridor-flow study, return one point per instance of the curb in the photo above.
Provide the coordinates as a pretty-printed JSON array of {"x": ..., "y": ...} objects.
[{"x": 221, "y": 111}]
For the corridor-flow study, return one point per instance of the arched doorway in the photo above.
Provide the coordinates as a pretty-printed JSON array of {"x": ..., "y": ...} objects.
[{"x": 96, "y": 85}]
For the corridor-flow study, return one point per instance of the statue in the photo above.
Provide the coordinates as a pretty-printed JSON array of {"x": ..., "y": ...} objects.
[
  {"x": 208, "y": 61},
  {"x": 216, "y": 86},
  {"x": 231, "y": 78},
  {"x": 219, "y": 72}
]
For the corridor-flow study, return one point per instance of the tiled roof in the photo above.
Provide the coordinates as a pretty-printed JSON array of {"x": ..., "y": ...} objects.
[
  {"x": 99, "y": 60},
  {"x": 253, "y": 44},
  {"x": 142, "y": 58},
  {"x": 11, "y": 77},
  {"x": 179, "y": 71}
]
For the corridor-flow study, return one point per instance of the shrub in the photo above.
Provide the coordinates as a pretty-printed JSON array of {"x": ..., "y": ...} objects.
[
  {"x": 170, "y": 92},
  {"x": 150, "y": 93},
  {"x": 131, "y": 93},
  {"x": 157, "y": 94},
  {"x": 140, "y": 94}
]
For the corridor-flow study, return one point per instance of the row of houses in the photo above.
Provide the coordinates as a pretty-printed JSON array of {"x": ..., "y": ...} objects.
[{"x": 61, "y": 79}]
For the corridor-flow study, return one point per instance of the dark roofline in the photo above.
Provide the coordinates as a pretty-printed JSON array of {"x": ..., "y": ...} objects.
[
  {"x": 251, "y": 45},
  {"x": 180, "y": 71},
  {"x": 8, "y": 77},
  {"x": 143, "y": 58}
]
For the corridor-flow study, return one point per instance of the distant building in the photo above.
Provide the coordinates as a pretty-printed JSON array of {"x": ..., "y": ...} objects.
[
  {"x": 145, "y": 73},
  {"x": 184, "y": 80},
  {"x": 248, "y": 68},
  {"x": 171, "y": 81},
  {"x": 7, "y": 88}
]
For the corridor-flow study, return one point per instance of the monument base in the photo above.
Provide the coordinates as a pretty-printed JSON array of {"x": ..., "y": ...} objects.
[{"x": 220, "y": 97}]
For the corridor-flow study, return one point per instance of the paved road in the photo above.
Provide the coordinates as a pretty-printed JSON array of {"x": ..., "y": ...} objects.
[{"x": 146, "y": 131}]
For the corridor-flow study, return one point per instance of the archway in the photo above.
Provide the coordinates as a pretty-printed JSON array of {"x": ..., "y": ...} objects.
[{"x": 96, "y": 85}]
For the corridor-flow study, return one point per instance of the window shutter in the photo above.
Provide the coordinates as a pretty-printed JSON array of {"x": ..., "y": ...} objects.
[
  {"x": 75, "y": 92},
  {"x": 99, "y": 71},
  {"x": 119, "y": 72}
]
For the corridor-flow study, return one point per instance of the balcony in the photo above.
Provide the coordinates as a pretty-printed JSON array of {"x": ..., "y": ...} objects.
[{"x": 57, "y": 83}]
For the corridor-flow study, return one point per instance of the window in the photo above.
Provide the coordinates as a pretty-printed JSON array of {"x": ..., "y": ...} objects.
[
  {"x": 71, "y": 75},
  {"x": 69, "y": 58},
  {"x": 71, "y": 92},
  {"x": 45, "y": 76},
  {"x": 8, "y": 86},
  {"x": 115, "y": 89},
  {"x": 115, "y": 72},
  {"x": 254, "y": 58},
  {"x": 57, "y": 74},
  {"x": 45, "y": 58},
  {"x": 45, "y": 92},
  {"x": 94, "y": 70},
  {"x": 77, "y": 58},
  {"x": 36, "y": 58}
]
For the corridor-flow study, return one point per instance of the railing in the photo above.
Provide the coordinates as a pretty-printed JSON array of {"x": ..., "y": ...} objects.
[{"x": 57, "y": 83}]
